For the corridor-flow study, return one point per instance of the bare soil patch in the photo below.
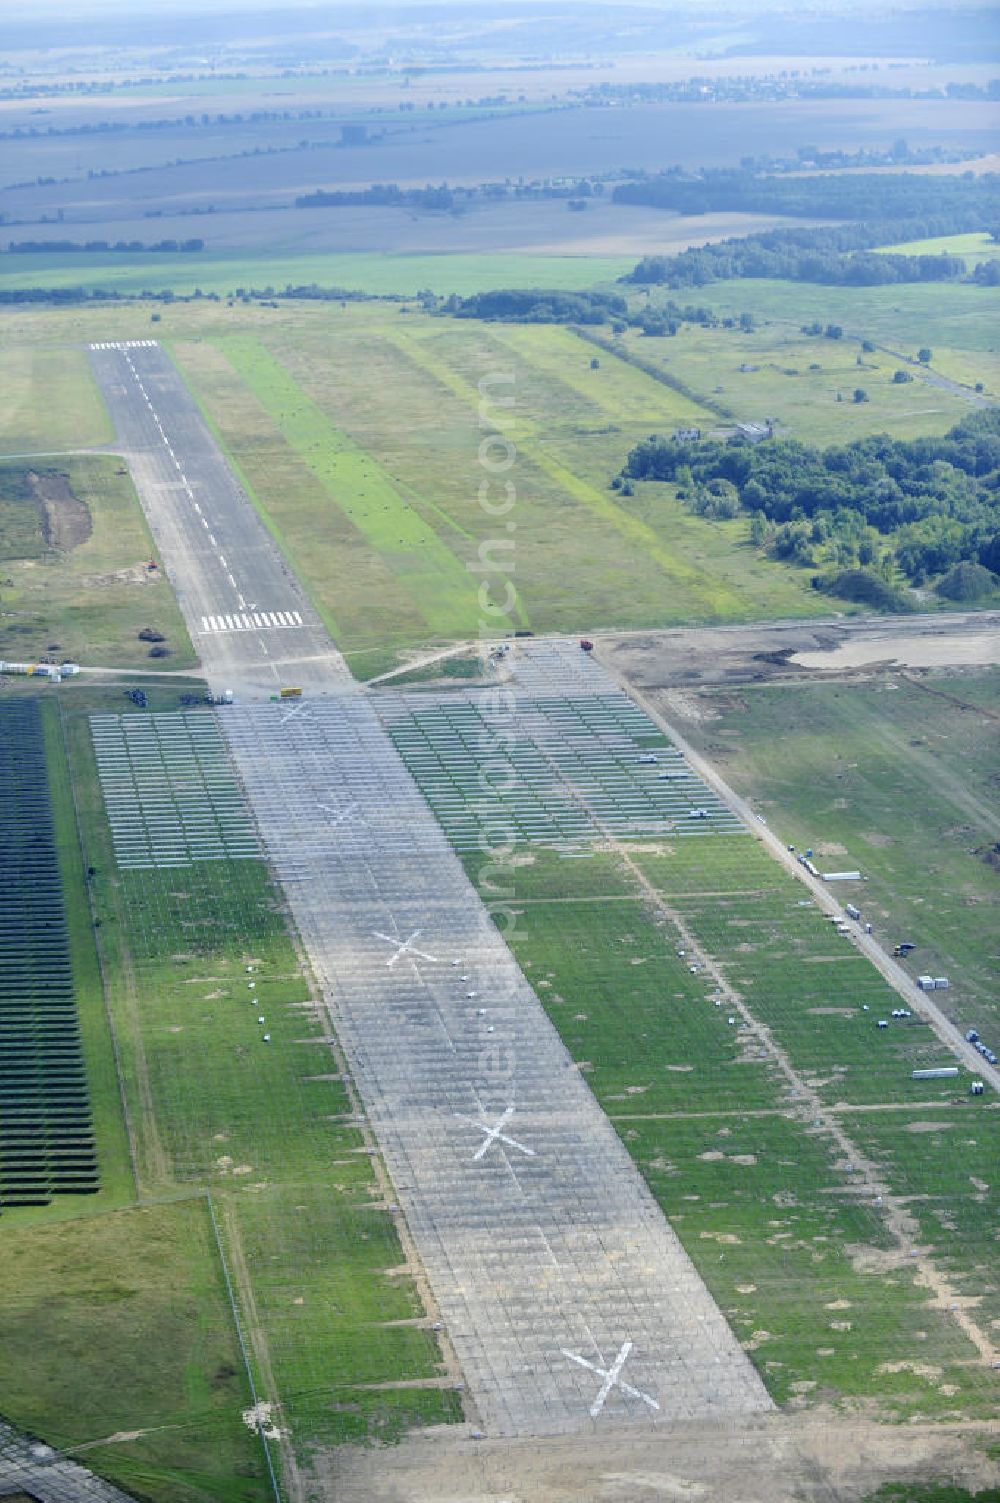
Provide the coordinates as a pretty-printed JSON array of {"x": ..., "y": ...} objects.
[
  {"x": 66, "y": 521},
  {"x": 678, "y": 661}
]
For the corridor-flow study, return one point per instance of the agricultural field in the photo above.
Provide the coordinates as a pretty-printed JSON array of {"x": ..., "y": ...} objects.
[
  {"x": 74, "y": 578},
  {"x": 230, "y": 1170},
  {"x": 896, "y": 776},
  {"x": 324, "y": 244},
  {"x": 377, "y": 274},
  {"x": 566, "y": 143}
]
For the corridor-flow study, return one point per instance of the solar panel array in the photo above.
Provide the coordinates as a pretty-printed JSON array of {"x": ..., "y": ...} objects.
[
  {"x": 170, "y": 791},
  {"x": 46, "y": 1133},
  {"x": 551, "y": 768}
]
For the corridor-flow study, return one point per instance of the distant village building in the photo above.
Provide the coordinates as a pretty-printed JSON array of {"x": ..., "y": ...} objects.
[{"x": 686, "y": 435}]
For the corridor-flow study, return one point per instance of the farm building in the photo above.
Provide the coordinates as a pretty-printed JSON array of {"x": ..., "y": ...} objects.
[{"x": 755, "y": 433}]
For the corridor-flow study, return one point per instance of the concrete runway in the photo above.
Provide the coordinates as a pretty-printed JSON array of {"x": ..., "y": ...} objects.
[
  {"x": 249, "y": 618},
  {"x": 548, "y": 1257},
  {"x": 566, "y": 1295}
]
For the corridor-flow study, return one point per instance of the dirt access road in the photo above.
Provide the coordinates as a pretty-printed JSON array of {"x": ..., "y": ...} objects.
[{"x": 817, "y": 1457}]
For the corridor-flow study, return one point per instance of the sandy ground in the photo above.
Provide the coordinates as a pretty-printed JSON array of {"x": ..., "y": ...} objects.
[
  {"x": 977, "y": 649},
  {"x": 801, "y": 650},
  {"x": 783, "y": 1458}
]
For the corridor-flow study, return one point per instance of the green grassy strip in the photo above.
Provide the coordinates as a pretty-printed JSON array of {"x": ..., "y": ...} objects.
[{"x": 425, "y": 568}]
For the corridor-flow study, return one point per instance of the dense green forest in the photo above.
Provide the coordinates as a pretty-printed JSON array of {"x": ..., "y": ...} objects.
[
  {"x": 875, "y": 210},
  {"x": 800, "y": 256},
  {"x": 537, "y": 305},
  {"x": 873, "y": 507},
  {"x": 940, "y": 205}
]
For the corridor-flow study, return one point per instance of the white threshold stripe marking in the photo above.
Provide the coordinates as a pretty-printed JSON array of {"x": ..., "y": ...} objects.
[{"x": 244, "y": 620}]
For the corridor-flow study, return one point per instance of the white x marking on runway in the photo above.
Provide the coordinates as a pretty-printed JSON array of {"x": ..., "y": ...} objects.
[
  {"x": 495, "y": 1134},
  {"x": 403, "y": 946},
  {"x": 612, "y": 1378},
  {"x": 298, "y": 709},
  {"x": 339, "y": 815}
]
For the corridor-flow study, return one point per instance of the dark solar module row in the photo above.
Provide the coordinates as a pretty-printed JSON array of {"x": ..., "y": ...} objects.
[{"x": 46, "y": 1133}]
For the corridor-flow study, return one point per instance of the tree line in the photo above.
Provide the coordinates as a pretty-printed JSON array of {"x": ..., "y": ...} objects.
[
  {"x": 887, "y": 200},
  {"x": 33, "y": 247},
  {"x": 379, "y": 194}
]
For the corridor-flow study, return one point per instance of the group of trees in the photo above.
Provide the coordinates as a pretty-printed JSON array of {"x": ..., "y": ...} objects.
[
  {"x": 379, "y": 195},
  {"x": 922, "y": 506},
  {"x": 535, "y": 305},
  {"x": 541, "y": 305},
  {"x": 793, "y": 256}
]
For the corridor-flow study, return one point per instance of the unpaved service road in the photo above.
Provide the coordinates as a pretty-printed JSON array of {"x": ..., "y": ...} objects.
[
  {"x": 691, "y": 656},
  {"x": 780, "y": 1458}
]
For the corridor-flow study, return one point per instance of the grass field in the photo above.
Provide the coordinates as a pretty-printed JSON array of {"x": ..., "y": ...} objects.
[
  {"x": 74, "y": 546},
  {"x": 379, "y": 274},
  {"x": 49, "y": 401},
  {"x": 973, "y": 248},
  {"x": 357, "y": 431},
  {"x": 119, "y": 1345},
  {"x": 268, "y": 1136},
  {"x": 904, "y": 317},
  {"x": 806, "y": 384},
  {"x": 371, "y": 423},
  {"x": 897, "y": 777}
]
